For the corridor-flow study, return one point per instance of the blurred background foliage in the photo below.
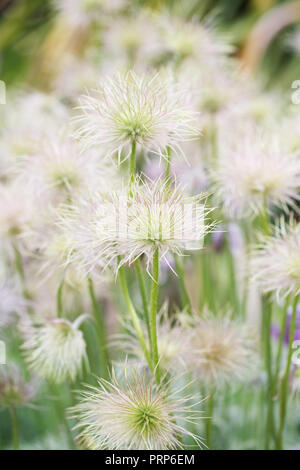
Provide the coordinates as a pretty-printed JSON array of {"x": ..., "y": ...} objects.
[{"x": 260, "y": 29}]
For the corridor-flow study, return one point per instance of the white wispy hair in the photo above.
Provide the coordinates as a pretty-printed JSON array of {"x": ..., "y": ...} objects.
[
  {"x": 134, "y": 413},
  {"x": 55, "y": 349},
  {"x": 255, "y": 171},
  {"x": 275, "y": 264},
  {"x": 152, "y": 111},
  {"x": 135, "y": 221},
  {"x": 223, "y": 348}
]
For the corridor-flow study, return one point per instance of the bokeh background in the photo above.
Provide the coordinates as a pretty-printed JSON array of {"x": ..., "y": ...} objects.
[{"x": 39, "y": 40}]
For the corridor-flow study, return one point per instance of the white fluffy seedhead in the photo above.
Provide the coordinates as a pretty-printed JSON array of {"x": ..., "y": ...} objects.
[
  {"x": 126, "y": 224},
  {"x": 152, "y": 111},
  {"x": 253, "y": 173},
  {"x": 276, "y": 261},
  {"x": 223, "y": 349},
  {"x": 55, "y": 349},
  {"x": 134, "y": 413}
]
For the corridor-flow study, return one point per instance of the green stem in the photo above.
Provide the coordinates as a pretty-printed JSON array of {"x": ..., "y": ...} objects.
[
  {"x": 59, "y": 304},
  {"x": 101, "y": 332},
  {"x": 20, "y": 271},
  {"x": 275, "y": 379},
  {"x": 285, "y": 379},
  {"x": 58, "y": 402},
  {"x": 264, "y": 220},
  {"x": 233, "y": 280},
  {"x": 143, "y": 295},
  {"x": 214, "y": 139},
  {"x": 186, "y": 303},
  {"x": 153, "y": 313},
  {"x": 132, "y": 163},
  {"x": 209, "y": 420},
  {"x": 280, "y": 345},
  {"x": 133, "y": 315},
  {"x": 168, "y": 163},
  {"x": 207, "y": 294},
  {"x": 268, "y": 358},
  {"x": 15, "y": 427}
]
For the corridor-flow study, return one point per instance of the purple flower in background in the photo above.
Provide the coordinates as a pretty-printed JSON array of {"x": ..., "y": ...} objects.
[
  {"x": 275, "y": 330},
  {"x": 217, "y": 238},
  {"x": 235, "y": 238},
  {"x": 192, "y": 177},
  {"x": 154, "y": 169}
]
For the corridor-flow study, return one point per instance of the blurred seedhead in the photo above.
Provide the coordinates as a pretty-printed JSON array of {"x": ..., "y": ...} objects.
[
  {"x": 173, "y": 343},
  {"x": 55, "y": 348},
  {"x": 254, "y": 173},
  {"x": 14, "y": 390},
  {"x": 275, "y": 261}
]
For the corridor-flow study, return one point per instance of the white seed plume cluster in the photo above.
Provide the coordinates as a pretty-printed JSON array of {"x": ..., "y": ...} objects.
[
  {"x": 55, "y": 350},
  {"x": 133, "y": 222},
  {"x": 276, "y": 261},
  {"x": 254, "y": 173},
  {"x": 110, "y": 177},
  {"x": 133, "y": 413},
  {"x": 223, "y": 349},
  {"x": 150, "y": 111}
]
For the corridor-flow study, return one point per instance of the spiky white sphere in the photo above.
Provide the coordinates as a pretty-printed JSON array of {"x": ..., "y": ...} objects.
[
  {"x": 276, "y": 261},
  {"x": 134, "y": 413},
  {"x": 254, "y": 172},
  {"x": 135, "y": 221},
  {"x": 152, "y": 111},
  {"x": 222, "y": 349}
]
